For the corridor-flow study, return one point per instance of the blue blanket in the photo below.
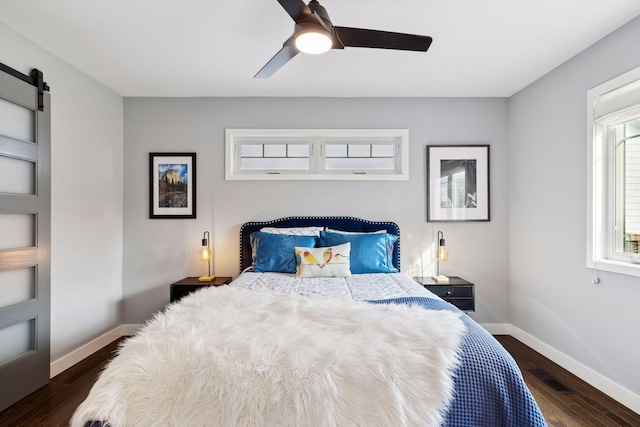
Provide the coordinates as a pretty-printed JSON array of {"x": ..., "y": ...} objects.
[{"x": 489, "y": 388}]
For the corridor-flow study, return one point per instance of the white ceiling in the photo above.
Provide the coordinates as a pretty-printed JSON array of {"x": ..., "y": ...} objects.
[{"x": 215, "y": 47}]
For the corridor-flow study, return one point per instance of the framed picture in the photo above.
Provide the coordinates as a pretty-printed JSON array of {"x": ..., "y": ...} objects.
[
  {"x": 457, "y": 183},
  {"x": 172, "y": 192}
]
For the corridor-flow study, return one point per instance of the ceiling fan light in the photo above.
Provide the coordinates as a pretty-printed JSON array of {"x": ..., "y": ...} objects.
[{"x": 313, "y": 42}]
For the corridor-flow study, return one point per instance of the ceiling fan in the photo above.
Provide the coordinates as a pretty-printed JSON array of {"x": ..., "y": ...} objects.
[{"x": 314, "y": 33}]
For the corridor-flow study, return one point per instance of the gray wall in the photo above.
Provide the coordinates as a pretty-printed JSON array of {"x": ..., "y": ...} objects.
[
  {"x": 86, "y": 196},
  {"x": 159, "y": 252},
  {"x": 551, "y": 295}
]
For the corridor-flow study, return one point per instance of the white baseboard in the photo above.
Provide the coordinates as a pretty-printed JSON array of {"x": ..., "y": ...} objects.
[
  {"x": 79, "y": 354},
  {"x": 129, "y": 329},
  {"x": 497, "y": 328},
  {"x": 586, "y": 374},
  {"x": 608, "y": 387}
]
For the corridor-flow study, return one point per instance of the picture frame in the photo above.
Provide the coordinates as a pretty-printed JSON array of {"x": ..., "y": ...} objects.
[
  {"x": 172, "y": 185},
  {"x": 458, "y": 183}
]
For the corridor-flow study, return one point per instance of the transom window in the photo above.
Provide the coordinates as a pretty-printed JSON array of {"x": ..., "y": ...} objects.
[
  {"x": 359, "y": 156},
  {"x": 274, "y": 156},
  {"x": 321, "y": 154}
]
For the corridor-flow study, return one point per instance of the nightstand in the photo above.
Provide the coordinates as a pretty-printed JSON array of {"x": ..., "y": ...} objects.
[
  {"x": 458, "y": 291},
  {"x": 185, "y": 286}
]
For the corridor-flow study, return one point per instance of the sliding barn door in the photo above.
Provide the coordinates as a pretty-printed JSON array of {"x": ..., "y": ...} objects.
[{"x": 25, "y": 234}]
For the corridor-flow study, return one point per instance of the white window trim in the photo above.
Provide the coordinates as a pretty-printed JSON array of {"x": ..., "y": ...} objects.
[
  {"x": 318, "y": 137},
  {"x": 600, "y": 187}
]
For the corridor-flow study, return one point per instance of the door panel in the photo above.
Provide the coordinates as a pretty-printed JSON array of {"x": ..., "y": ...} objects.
[
  {"x": 25, "y": 235},
  {"x": 18, "y": 231},
  {"x": 18, "y": 122},
  {"x": 18, "y": 286},
  {"x": 17, "y": 176},
  {"x": 17, "y": 341}
]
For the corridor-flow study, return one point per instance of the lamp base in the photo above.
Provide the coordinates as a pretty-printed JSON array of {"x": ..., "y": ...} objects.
[
  {"x": 206, "y": 278},
  {"x": 441, "y": 279}
]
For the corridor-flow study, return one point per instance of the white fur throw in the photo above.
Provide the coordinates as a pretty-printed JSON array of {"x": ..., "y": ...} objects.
[{"x": 233, "y": 357}]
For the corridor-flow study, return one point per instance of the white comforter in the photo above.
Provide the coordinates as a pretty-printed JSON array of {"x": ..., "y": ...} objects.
[
  {"x": 358, "y": 287},
  {"x": 233, "y": 357}
]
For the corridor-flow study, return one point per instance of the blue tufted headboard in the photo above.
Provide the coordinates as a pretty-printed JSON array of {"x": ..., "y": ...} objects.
[{"x": 345, "y": 223}]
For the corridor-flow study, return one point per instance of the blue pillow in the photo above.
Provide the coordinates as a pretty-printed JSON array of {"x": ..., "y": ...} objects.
[
  {"x": 370, "y": 252},
  {"x": 276, "y": 252}
]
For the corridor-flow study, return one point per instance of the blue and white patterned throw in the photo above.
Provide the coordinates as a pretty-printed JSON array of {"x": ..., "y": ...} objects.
[{"x": 489, "y": 388}]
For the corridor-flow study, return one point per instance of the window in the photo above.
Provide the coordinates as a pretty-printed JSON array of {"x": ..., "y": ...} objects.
[
  {"x": 626, "y": 138},
  {"x": 260, "y": 156},
  {"x": 360, "y": 156},
  {"x": 613, "y": 235},
  {"x": 320, "y": 154}
]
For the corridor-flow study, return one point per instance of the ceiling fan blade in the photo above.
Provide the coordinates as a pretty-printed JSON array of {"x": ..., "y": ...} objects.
[
  {"x": 296, "y": 9},
  {"x": 283, "y": 56},
  {"x": 360, "y": 37}
]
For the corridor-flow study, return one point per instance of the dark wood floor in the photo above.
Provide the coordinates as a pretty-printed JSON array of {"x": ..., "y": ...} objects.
[
  {"x": 564, "y": 399},
  {"x": 54, "y": 404}
]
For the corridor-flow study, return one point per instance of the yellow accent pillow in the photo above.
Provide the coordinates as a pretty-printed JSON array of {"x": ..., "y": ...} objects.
[{"x": 332, "y": 261}]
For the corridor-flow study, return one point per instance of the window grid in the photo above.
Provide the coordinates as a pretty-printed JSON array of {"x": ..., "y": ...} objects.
[
  {"x": 360, "y": 157},
  {"x": 352, "y": 152},
  {"x": 289, "y": 153},
  {"x": 273, "y": 157}
]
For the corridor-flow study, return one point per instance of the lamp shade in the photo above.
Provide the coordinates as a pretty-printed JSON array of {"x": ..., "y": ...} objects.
[
  {"x": 204, "y": 254},
  {"x": 442, "y": 254}
]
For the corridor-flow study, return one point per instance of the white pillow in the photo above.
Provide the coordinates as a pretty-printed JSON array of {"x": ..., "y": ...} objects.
[
  {"x": 294, "y": 231},
  {"x": 330, "y": 230},
  {"x": 332, "y": 261}
]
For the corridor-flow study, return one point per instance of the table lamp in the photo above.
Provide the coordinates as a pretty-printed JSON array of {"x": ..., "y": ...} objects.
[
  {"x": 442, "y": 254},
  {"x": 205, "y": 255}
]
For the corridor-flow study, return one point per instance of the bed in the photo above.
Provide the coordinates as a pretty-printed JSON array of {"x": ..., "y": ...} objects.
[{"x": 331, "y": 334}]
